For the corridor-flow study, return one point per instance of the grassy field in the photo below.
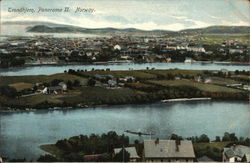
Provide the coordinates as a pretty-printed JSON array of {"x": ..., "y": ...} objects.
[
  {"x": 21, "y": 86},
  {"x": 40, "y": 98},
  {"x": 223, "y": 81},
  {"x": 99, "y": 95},
  {"x": 138, "y": 74},
  {"x": 6, "y": 80},
  {"x": 219, "y": 145},
  {"x": 213, "y": 150},
  {"x": 174, "y": 72},
  {"x": 201, "y": 86}
]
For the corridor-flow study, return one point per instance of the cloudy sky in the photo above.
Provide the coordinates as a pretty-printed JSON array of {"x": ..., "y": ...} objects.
[{"x": 142, "y": 14}]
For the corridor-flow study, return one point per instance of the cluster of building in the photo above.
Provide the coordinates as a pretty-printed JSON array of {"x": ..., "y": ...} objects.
[
  {"x": 50, "y": 50},
  {"x": 159, "y": 150},
  {"x": 111, "y": 81}
]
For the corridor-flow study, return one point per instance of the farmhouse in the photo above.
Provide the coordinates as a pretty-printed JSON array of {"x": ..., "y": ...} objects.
[
  {"x": 132, "y": 153},
  {"x": 168, "y": 151},
  {"x": 235, "y": 153}
]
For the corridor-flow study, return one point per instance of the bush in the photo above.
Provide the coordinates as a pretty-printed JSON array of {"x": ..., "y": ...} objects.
[
  {"x": 8, "y": 91},
  {"x": 122, "y": 156},
  {"x": 47, "y": 158},
  {"x": 91, "y": 82}
]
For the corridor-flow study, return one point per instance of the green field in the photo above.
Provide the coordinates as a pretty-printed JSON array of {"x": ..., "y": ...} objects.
[
  {"x": 200, "y": 86},
  {"x": 99, "y": 95},
  {"x": 137, "y": 73},
  {"x": 213, "y": 149},
  {"x": 150, "y": 86},
  {"x": 219, "y": 145},
  {"x": 20, "y": 86},
  {"x": 6, "y": 80},
  {"x": 174, "y": 72}
]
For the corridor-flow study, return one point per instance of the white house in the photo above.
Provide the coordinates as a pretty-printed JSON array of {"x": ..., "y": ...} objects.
[
  {"x": 117, "y": 47},
  {"x": 63, "y": 85},
  {"x": 235, "y": 153}
]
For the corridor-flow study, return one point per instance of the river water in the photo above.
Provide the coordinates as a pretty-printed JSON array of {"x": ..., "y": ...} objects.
[
  {"x": 23, "y": 132},
  {"x": 50, "y": 69}
]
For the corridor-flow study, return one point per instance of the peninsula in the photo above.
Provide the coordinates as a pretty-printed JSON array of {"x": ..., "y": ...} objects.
[{"x": 82, "y": 88}]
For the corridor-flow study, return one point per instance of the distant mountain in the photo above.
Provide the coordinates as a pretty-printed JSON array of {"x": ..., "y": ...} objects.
[
  {"x": 33, "y": 23},
  {"x": 72, "y": 29},
  {"x": 49, "y": 27},
  {"x": 220, "y": 30}
]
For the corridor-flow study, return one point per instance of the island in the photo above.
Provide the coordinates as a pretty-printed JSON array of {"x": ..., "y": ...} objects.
[{"x": 85, "y": 88}]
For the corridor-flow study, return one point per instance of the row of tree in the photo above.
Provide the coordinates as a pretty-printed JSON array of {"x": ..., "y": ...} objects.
[{"x": 227, "y": 137}]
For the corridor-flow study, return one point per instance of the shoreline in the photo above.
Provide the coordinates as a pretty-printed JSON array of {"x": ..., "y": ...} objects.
[
  {"x": 119, "y": 62},
  {"x": 172, "y": 101},
  {"x": 187, "y": 99}
]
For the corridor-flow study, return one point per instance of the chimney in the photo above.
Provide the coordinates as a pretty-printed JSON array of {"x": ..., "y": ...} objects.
[
  {"x": 157, "y": 141},
  {"x": 177, "y": 143}
]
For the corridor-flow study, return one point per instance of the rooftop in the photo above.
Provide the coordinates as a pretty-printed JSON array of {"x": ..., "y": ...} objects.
[
  {"x": 168, "y": 149},
  {"x": 130, "y": 150}
]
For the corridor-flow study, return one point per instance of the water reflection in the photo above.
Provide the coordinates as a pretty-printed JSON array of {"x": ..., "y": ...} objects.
[
  {"x": 52, "y": 69},
  {"x": 23, "y": 132}
]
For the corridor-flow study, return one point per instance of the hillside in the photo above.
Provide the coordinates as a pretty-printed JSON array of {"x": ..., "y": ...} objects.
[
  {"x": 49, "y": 27},
  {"x": 220, "y": 30}
]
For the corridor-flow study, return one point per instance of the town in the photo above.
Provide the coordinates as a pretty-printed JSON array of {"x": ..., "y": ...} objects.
[{"x": 38, "y": 50}]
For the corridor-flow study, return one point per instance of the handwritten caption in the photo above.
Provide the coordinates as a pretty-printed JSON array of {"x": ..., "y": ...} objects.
[{"x": 50, "y": 10}]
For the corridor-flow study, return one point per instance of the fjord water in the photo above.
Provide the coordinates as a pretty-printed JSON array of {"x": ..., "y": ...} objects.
[
  {"x": 52, "y": 69},
  {"x": 23, "y": 132}
]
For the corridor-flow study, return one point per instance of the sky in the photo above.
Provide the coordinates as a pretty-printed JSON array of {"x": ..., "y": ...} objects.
[{"x": 142, "y": 14}]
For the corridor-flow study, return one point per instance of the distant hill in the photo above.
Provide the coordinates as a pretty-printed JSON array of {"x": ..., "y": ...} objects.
[
  {"x": 49, "y": 27},
  {"x": 220, "y": 30}
]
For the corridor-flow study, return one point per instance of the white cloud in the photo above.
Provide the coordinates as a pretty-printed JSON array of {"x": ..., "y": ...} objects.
[
  {"x": 240, "y": 23},
  {"x": 135, "y": 14}
]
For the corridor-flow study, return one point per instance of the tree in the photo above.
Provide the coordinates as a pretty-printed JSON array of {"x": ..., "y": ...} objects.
[
  {"x": 71, "y": 71},
  {"x": 91, "y": 82},
  {"x": 76, "y": 83},
  {"x": 233, "y": 137},
  {"x": 55, "y": 82},
  {"x": 217, "y": 139},
  {"x": 176, "y": 137},
  {"x": 47, "y": 158},
  {"x": 204, "y": 138},
  {"x": 136, "y": 141},
  {"x": 122, "y": 156},
  {"x": 69, "y": 84},
  {"x": 170, "y": 76},
  {"x": 226, "y": 137},
  {"x": 8, "y": 91}
]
